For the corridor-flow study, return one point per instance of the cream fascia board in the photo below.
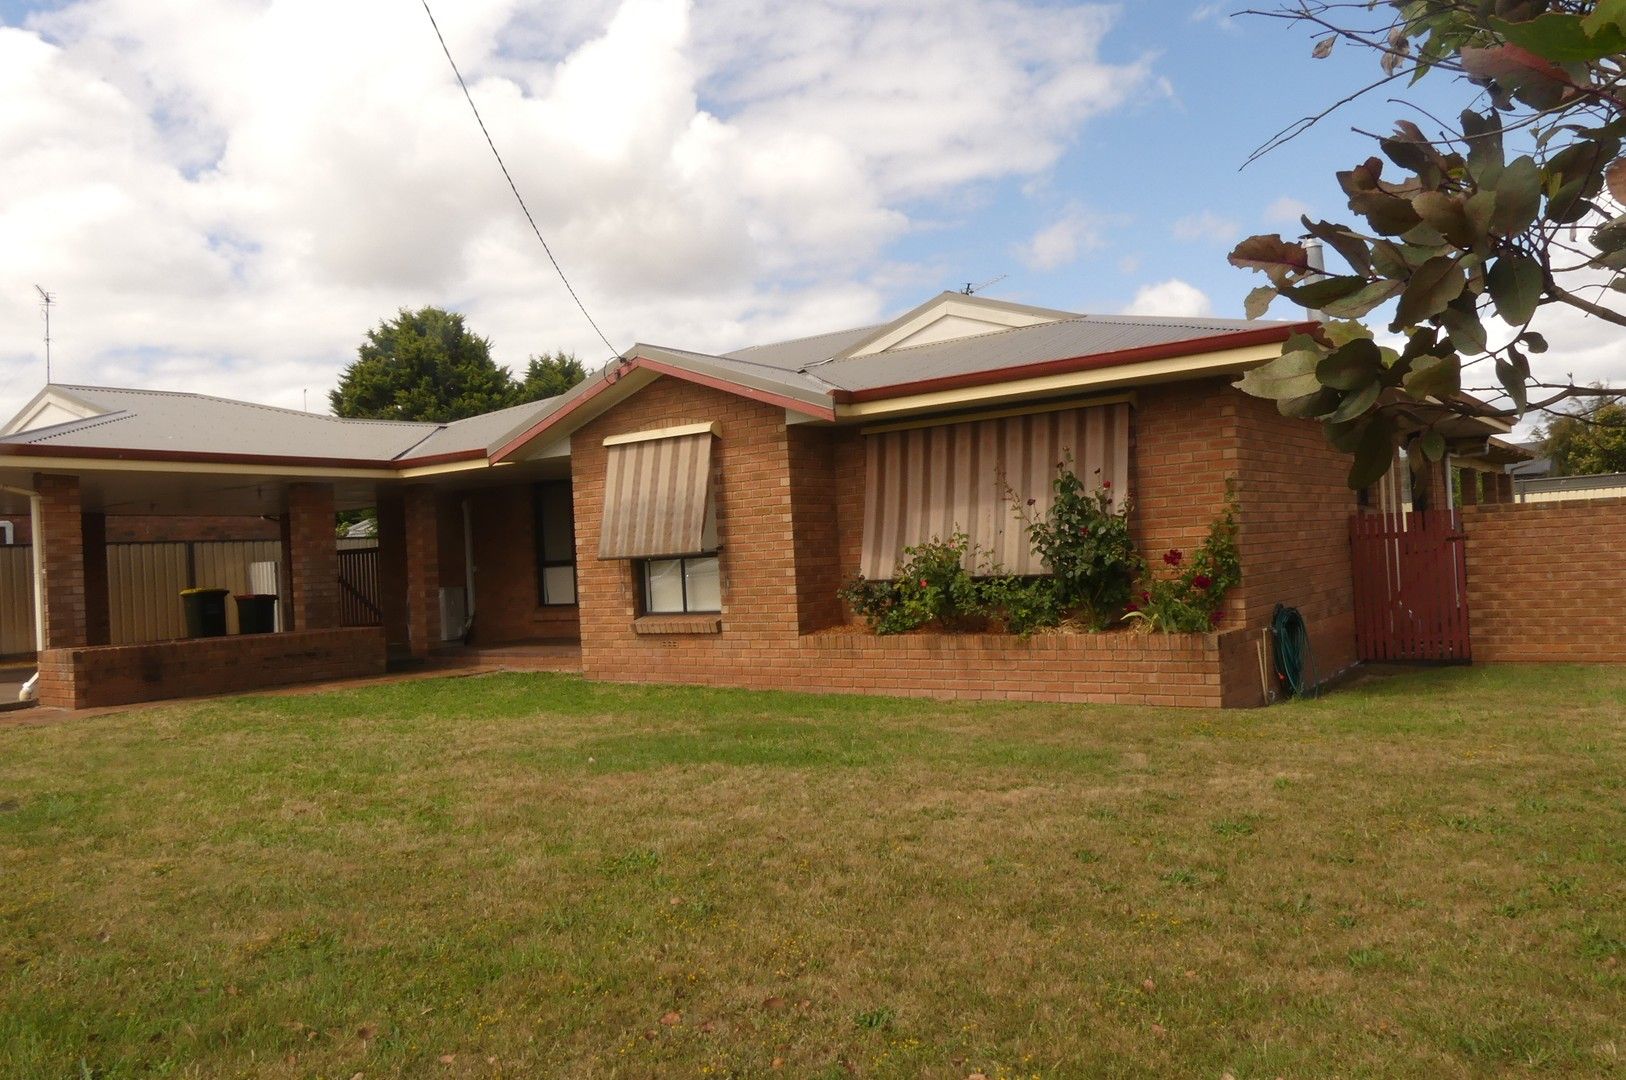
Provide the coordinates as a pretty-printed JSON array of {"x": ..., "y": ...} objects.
[
  {"x": 1148, "y": 371},
  {"x": 677, "y": 431}
]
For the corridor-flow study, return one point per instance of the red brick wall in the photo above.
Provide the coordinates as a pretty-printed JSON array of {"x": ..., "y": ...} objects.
[
  {"x": 313, "y": 556},
  {"x": 815, "y": 509},
  {"x": 1547, "y": 581},
  {"x": 1294, "y": 510},
  {"x": 392, "y": 600},
  {"x": 506, "y": 604},
  {"x": 750, "y": 476},
  {"x": 93, "y": 677},
  {"x": 422, "y": 581},
  {"x": 64, "y": 560},
  {"x": 784, "y": 493}
]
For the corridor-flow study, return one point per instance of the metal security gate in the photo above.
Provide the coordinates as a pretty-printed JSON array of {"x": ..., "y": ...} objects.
[
  {"x": 359, "y": 598},
  {"x": 1411, "y": 586}
]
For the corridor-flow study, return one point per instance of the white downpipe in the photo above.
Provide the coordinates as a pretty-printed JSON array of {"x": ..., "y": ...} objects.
[{"x": 468, "y": 569}]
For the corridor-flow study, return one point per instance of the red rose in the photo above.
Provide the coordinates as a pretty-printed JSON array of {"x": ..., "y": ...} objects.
[
  {"x": 1145, "y": 597},
  {"x": 1132, "y": 606},
  {"x": 1107, "y": 484},
  {"x": 1174, "y": 556},
  {"x": 1216, "y": 618},
  {"x": 1202, "y": 581},
  {"x": 1032, "y": 501}
]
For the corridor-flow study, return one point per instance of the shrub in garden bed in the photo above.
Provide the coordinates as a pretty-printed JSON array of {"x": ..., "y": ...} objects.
[{"x": 1083, "y": 539}]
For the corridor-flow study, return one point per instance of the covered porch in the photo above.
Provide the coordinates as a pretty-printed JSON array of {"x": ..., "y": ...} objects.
[{"x": 460, "y": 559}]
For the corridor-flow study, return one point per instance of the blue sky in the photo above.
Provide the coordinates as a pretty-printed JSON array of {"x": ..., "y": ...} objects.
[{"x": 224, "y": 197}]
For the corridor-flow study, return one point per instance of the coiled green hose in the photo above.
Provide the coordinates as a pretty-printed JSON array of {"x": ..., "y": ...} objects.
[{"x": 1292, "y": 651}]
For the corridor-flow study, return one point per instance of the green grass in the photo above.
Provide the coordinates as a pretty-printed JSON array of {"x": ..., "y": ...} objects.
[{"x": 1421, "y": 875}]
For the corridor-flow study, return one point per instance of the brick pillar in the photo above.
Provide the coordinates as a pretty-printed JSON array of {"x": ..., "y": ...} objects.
[
  {"x": 421, "y": 534},
  {"x": 392, "y": 568},
  {"x": 313, "y": 557},
  {"x": 1504, "y": 487},
  {"x": 1431, "y": 483},
  {"x": 62, "y": 545},
  {"x": 98, "y": 617},
  {"x": 1470, "y": 486}
]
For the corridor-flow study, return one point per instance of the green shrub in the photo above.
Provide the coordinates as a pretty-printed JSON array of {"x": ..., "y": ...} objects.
[
  {"x": 1085, "y": 543},
  {"x": 1190, "y": 597},
  {"x": 932, "y": 585}
]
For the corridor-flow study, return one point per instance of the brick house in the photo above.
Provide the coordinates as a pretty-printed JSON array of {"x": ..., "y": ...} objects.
[{"x": 690, "y": 517}]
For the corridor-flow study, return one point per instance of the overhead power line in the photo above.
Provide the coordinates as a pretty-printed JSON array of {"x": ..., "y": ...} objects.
[{"x": 614, "y": 352}]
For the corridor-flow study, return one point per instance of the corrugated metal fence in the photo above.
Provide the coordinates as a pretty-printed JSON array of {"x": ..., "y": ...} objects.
[
  {"x": 16, "y": 600},
  {"x": 144, "y": 581}
]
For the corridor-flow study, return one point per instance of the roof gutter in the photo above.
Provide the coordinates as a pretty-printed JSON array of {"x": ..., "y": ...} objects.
[{"x": 114, "y": 453}]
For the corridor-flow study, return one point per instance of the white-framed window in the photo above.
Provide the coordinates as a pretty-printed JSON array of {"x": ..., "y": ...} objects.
[
  {"x": 8, "y": 534},
  {"x": 555, "y": 533},
  {"x": 684, "y": 585}
]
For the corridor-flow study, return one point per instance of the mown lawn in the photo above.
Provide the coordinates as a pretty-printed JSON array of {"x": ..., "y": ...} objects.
[{"x": 1421, "y": 875}]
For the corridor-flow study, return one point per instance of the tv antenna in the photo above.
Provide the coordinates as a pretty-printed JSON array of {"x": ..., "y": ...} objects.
[
  {"x": 46, "y": 300},
  {"x": 971, "y": 289}
]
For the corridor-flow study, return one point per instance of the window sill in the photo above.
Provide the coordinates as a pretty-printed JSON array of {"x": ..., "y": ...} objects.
[{"x": 678, "y": 624}]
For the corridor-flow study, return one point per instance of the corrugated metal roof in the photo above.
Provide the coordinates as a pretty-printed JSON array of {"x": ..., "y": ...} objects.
[
  {"x": 805, "y": 370},
  {"x": 168, "y": 421},
  {"x": 746, "y": 372},
  {"x": 485, "y": 431},
  {"x": 1086, "y": 335},
  {"x": 800, "y": 352}
]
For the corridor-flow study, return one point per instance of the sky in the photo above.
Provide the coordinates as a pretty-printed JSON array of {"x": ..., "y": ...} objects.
[{"x": 225, "y": 196}]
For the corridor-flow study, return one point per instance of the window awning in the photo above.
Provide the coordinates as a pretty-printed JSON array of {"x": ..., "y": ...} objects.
[
  {"x": 657, "y": 495},
  {"x": 931, "y": 482}
]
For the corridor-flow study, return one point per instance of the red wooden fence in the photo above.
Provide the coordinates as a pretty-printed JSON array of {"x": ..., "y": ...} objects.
[{"x": 1411, "y": 586}]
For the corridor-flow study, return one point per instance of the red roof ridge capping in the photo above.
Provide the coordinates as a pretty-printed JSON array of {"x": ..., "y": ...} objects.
[
  {"x": 1230, "y": 339},
  {"x": 634, "y": 363}
]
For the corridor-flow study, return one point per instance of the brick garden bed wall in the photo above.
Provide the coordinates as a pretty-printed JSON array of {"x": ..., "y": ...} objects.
[
  {"x": 92, "y": 677},
  {"x": 1547, "y": 581}
]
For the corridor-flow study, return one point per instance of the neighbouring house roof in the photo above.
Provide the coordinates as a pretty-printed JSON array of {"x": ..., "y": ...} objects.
[{"x": 951, "y": 341}]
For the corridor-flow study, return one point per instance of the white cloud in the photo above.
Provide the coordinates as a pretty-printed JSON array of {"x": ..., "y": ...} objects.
[
  {"x": 224, "y": 200},
  {"x": 1219, "y": 14},
  {"x": 1205, "y": 226},
  {"x": 1061, "y": 241},
  {"x": 1286, "y": 210},
  {"x": 1172, "y": 297}
]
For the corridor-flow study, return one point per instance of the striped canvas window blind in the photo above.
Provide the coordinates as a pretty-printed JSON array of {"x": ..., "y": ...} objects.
[{"x": 931, "y": 482}]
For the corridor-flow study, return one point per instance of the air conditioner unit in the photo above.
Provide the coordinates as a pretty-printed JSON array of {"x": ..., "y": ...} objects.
[{"x": 454, "y": 612}]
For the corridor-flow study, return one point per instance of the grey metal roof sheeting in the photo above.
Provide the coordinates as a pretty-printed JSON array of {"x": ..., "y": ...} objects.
[
  {"x": 1085, "y": 335},
  {"x": 805, "y": 369},
  {"x": 166, "y": 421},
  {"x": 800, "y": 352}
]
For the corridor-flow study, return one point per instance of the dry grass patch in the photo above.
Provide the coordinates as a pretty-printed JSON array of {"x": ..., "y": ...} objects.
[{"x": 532, "y": 875}]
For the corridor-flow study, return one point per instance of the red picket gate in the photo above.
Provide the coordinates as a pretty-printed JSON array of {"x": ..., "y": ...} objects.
[{"x": 1411, "y": 586}]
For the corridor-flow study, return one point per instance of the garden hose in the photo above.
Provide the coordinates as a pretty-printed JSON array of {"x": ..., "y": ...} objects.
[{"x": 1291, "y": 644}]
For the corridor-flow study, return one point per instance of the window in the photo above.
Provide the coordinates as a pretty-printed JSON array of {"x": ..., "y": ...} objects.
[
  {"x": 555, "y": 534},
  {"x": 689, "y": 584}
]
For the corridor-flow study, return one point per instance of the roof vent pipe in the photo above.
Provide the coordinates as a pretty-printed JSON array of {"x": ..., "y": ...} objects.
[{"x": 1315, "y": 257}]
